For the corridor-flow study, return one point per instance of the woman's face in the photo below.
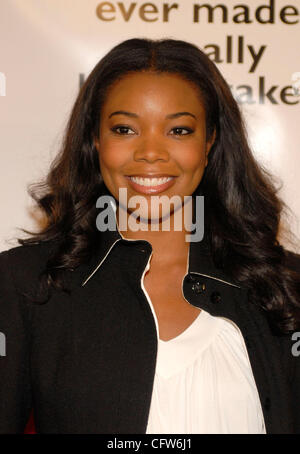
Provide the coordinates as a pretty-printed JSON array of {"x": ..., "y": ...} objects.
[{"x": 152, "y": 127}]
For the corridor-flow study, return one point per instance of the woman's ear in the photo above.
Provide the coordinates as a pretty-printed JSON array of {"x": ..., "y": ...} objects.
[{"x": 96, "y": 143}]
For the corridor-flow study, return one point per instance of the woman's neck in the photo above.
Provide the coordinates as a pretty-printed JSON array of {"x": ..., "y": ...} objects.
[{"x": 169, "y": 245}]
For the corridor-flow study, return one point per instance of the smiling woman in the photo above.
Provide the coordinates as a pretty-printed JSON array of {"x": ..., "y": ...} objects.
[
  {"x": 141, "y": 331},
  {"x": 162, "y": 135}
]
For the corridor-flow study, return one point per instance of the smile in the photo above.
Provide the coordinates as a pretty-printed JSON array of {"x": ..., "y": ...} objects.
[
  {"x": 150, "y": 185},
  {"x": 150, "y": 181}
]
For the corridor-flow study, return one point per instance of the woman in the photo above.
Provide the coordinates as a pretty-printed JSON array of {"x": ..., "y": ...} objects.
[{"x": 115, "y": 327}]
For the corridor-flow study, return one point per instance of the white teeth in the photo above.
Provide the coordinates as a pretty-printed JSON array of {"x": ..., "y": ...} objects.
[{"x": 150, "y": 181}]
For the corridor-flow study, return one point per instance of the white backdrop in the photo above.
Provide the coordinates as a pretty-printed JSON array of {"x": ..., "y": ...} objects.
[{"x": 46, "y": 44}]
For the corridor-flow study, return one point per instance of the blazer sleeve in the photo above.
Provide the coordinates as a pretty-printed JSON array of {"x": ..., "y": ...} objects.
[{"x": 15, "y": 386}]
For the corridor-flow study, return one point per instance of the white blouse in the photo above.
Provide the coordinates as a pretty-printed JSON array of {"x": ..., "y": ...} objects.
[{"x": 204, "y": 382}]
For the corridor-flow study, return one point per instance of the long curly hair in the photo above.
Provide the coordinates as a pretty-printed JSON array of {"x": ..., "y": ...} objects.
[{"x": 242, "y": 209}]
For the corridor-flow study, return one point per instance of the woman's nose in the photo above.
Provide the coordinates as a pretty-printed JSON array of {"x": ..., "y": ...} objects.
[{"x": 151, "y": 149}]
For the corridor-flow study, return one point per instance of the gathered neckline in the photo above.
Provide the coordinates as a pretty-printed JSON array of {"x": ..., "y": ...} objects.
[{"x": 184, "y": 332}]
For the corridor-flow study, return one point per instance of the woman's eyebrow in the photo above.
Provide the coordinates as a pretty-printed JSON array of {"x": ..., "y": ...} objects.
[
  {"x": 170, "y": 116},
  {"x": 180, "y": 114},
  {"x": 123, "y": 112}
]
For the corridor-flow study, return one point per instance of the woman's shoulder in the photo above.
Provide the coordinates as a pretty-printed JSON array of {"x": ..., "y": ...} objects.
[
  {"x": 23, "y": 264},
  {"x": 29, "y": 253}
]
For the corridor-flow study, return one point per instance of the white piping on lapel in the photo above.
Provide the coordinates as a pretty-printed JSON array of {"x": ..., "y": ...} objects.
[
  {"x": 148, "y": 297},
  {"x": 216, "y": 279},
  {"x": 98, "y": 266},
  {"x": 114, "y": 207},
  {"x": 113, "y": 204}
]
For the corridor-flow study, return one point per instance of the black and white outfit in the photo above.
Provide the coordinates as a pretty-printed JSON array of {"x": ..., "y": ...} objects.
[{"x": 91, "y": 361}]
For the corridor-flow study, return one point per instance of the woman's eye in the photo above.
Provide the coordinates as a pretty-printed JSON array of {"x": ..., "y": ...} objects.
[
  {"x": 181, "y": 131},
  {"x": 126, "y": 130},
  {"x": 122, "y": 130}
]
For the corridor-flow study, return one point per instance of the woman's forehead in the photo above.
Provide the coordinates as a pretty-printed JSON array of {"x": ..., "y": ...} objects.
[{"x": 157, "y": 88}]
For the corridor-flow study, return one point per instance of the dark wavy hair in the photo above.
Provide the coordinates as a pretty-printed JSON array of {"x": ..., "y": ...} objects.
[{"x": 242, "y": 209}]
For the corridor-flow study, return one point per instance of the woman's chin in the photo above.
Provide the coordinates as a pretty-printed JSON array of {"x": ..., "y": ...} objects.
[{"x": 154, "y": 220}]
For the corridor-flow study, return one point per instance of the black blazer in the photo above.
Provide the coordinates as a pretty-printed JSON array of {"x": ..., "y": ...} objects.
[{"x": 85, "y": 361}]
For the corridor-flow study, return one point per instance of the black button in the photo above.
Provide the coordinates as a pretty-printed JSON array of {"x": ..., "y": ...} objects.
[
  {"x": 215, "y": 297},
  {"x": 190, "y": 278},
  {"x": 267, "y": 404},
  {"x": 199, "y": 287},
  {"x": 143, "y": 248}
]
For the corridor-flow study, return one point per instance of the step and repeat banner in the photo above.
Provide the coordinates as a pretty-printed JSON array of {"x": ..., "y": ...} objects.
[{"x": 48, "y": 47}]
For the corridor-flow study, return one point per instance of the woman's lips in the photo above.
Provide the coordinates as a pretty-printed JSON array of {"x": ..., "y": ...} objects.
[{"x": 151, "y": 189}]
